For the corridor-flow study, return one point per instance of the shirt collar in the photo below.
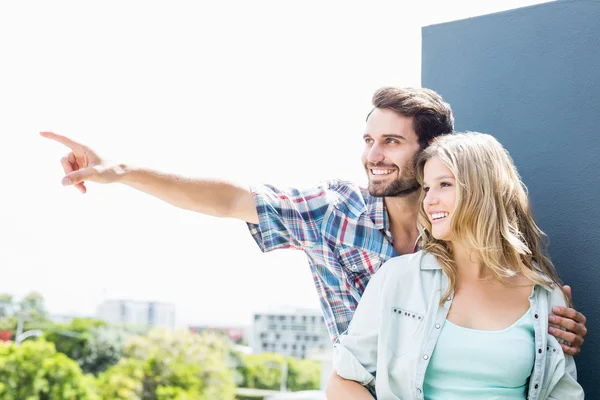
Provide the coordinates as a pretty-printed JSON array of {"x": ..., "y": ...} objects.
[
  {"x": 430, "y": 263},
  {"x": 377, "y": 213}
]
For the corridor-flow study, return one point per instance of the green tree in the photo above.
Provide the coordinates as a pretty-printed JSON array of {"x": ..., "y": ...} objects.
[
  {"x": 105, "y": 348},
  {"x": 165, "y": 364},
  {"x": 263, "y": 371},
  {"x": 35, "y": 371},
  {"x": 303, "y": 374},
  {"x": 72, "y": 339},
  {"x": 33, "y": 307},
  {"x": 94, "y": 345},
  {"x": 6, "y": 305},
  {"x": 122, "y": 381}
]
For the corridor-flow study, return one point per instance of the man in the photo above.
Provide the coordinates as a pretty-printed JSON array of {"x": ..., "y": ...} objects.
[{"x": 346, "y": 232}]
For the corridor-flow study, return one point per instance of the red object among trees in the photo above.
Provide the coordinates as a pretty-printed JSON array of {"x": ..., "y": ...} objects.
[{"x": 5, "y": 336}]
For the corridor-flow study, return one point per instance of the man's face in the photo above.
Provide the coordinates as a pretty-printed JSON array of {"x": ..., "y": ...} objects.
[{"x": 391, "y": 146}]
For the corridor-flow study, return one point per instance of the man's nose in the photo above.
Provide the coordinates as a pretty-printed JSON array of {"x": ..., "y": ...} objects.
[{"x": 375, "y": 156}]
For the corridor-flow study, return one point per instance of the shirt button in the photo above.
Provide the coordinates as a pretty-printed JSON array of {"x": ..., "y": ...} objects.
[
  {"x": 419, "y": 390},
  {"x": 354, "y": 267},
  {"x": 425, "y": 357},
  {"x": 437, "y": 326}
]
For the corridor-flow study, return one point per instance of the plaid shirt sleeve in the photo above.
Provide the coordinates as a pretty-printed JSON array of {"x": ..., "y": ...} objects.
[{"x": 289, "y": 218}]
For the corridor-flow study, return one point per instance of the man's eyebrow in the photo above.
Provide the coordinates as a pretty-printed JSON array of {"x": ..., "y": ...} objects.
[
  {"x": 387, "y": 135},
  {"x": 394, "y": 135}
]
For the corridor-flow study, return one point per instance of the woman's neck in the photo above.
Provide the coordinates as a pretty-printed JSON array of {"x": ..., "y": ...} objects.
[{"x": 468, "y": 263}]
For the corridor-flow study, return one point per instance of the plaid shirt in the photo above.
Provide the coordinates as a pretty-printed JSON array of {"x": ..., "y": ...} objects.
[{"x": 344, "y": 232}]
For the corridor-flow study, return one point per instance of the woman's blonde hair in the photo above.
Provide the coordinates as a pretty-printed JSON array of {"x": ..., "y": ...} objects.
[{"x": 492, "y": 214}]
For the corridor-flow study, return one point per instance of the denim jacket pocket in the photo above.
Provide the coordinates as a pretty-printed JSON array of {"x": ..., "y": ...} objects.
[{"x": 404, "y": 324}]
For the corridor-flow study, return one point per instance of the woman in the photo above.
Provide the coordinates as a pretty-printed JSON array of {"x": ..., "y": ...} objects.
[{"x": 466, "y": 317}]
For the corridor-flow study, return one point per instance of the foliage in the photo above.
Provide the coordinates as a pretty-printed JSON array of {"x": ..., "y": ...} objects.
[
  {"x": 263, "y": 371},
  {"x": 33, "y": 307},
  {"x": 122, "y": 381},
  {"x": 73, "y": 338},
  {"x": 90, "y": 342},
  {"x": 166, "y": 364},
  {"x": 86, "y": 359},
  {"x": 303, "y": 374},
  {"x": 6, "y": 305},
  {"x": 105, "y": 348},
  {"x": 35, "y": 371}
]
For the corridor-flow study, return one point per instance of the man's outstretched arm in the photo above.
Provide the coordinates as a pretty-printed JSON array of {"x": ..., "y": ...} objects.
[{"x": 213, "y": 197}]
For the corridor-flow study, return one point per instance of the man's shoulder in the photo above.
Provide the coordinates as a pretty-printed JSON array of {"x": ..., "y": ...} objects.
[
  {"x": 349, "y": 197},
  {"x": 344, "y": 186}
]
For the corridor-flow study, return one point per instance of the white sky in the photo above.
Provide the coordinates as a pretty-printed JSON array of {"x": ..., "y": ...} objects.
[{"x": 262, "y": 91}]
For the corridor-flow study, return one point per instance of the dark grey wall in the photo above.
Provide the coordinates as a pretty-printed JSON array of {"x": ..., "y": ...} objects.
[{"x": 531, "y": 77}]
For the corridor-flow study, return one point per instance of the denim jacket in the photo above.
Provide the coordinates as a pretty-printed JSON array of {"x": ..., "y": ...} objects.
[{"x": 398, "y": 322}]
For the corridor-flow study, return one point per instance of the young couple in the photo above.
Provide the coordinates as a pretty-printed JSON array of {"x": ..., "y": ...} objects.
[{"x": 468, "y": 315}]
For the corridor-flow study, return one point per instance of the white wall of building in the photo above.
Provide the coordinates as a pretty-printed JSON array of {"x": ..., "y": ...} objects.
[{"x": 138, "y": 313}]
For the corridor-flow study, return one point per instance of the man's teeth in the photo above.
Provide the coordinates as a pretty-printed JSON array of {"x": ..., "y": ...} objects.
[
  {"x": 382, "y": 171},
  {"x": 439, "y": 215}
]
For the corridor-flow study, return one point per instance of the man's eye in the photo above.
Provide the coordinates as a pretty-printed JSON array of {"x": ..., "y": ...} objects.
[
  {"x": 368, "y": 141},
  {"x": 392, "y": 141}
]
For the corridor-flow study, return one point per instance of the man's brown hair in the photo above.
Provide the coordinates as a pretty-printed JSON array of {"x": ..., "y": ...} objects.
[{"x": 432, "y": 116}]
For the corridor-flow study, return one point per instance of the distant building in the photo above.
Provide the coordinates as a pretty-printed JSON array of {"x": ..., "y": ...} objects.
[
  {"x": 138, "y": 313},
  {"x": 296, "y": 333}
]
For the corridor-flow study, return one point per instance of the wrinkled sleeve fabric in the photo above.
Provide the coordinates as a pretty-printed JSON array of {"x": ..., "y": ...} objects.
[{"x": 288, "y": 218}]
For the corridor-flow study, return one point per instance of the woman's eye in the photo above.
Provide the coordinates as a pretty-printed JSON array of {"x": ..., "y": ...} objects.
[
  {"x": 425, "y": 189},
  {"x": 445, "y": 184}
]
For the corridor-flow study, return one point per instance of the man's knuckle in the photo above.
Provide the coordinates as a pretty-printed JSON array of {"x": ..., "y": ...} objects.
[
  {"x": 570, "y": 337},
  {"x": 571, "y": 325}
]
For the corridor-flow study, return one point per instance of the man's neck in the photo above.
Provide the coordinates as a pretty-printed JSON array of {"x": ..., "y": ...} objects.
[{"x": 402, "y": 215}]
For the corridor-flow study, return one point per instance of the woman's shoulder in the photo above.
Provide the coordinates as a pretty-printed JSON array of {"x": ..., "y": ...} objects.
[
  {"x": 552, "y": 295},
  {"x": 409, "y": 265}
]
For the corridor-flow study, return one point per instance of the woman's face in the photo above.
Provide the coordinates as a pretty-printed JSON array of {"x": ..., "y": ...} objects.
[{"x": 439, "y": 185}]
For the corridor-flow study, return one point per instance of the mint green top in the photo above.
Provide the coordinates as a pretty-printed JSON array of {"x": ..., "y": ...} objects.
[{"x": 471, "y": 364}]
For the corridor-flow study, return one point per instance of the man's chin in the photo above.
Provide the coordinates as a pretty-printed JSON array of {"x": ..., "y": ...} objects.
[{"x": 390, "y": 191}]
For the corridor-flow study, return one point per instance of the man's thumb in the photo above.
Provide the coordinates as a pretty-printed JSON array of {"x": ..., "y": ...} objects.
[{"x": 78, "y": 176}]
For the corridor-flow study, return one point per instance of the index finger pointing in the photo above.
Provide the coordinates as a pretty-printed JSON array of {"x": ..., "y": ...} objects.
[{"x": 73, "y": 145}]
